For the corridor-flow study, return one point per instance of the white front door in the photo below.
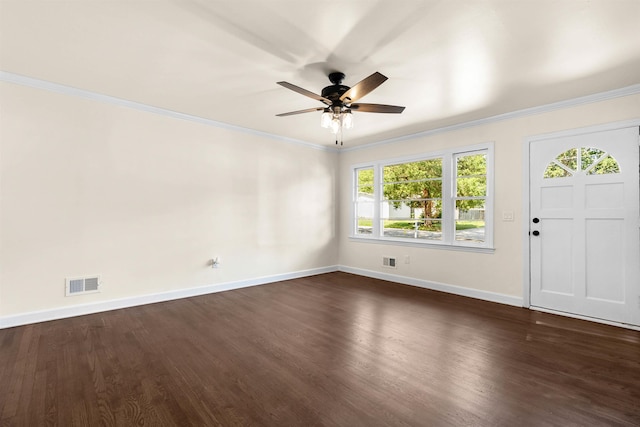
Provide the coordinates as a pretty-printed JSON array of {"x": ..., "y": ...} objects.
[{"x": 585, "y": 226}]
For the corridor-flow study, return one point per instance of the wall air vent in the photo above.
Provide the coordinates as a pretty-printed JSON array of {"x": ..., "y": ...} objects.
[
  {"x": 82, "y": 285},
  {"x": 388, "y": 262}
]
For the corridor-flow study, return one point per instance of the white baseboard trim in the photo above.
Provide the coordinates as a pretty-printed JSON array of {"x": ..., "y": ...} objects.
[
  {"x": 97, "y": 307},
  {"x": 436, "y": 286},
  {"x": 589, "y": 319}
]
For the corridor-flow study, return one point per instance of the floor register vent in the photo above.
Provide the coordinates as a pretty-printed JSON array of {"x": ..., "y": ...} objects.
[{"x": 82, "y": 285}]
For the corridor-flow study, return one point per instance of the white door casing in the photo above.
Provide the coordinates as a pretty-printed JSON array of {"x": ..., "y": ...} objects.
[{"x": 584, "y": 203}]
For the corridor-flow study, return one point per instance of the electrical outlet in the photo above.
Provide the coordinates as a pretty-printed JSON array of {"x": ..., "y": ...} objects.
[{"x": 215, "y": 262}]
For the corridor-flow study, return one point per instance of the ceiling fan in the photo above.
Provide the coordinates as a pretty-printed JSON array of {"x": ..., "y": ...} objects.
[{"x": 340, "y": 101}]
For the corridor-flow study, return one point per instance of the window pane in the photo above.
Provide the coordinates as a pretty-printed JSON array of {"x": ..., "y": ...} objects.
[
  {"x": 475, "y": 164},
  {"x": 423, "y": 169},
  {"x": 365, "y": 177},
  {"x": 398, "y": 191},
  {"x": 400, "y": 209},
  {"x": 411, "y": 209},
  {"x": 430, "y": 209},
  {"x": 431, "y": 189},
  {"x": 413, "y": 229},
  {"x": 605, "y": 166},
  {"x": 364, "y": 216},
  {"x": 365, "y": 190},
  {"x": 471, "y": 187},
  {"x": 470, "y": 220},
  {"x": 555, "y": 171},
  {"x": 589, "y": 155},
  {"x": 569, "y": 158},
  {"x": 364, "y": 225},
  {"x": 471, "y": 175}
]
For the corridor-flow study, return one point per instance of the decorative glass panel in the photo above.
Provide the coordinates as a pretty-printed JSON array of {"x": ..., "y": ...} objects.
[
  {"x": 590, "y": 156},
  {"x": 593, "y": 161},
  {"x": 569, "y": 158},
  {"x": 556, "y": 171},
  {"x": 605, "y": 166}
]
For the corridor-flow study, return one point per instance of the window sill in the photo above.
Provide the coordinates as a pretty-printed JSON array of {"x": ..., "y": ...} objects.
[{"x": 403, "y": 242}]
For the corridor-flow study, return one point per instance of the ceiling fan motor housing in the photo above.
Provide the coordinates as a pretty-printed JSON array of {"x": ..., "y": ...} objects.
[{"x": 334, "y": 92}]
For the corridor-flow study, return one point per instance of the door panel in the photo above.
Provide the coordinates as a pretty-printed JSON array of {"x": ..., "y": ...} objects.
[
  {"x": 557, "y": 256},
  {"x": 605, "y": 260},
  {"x": 585, "y": 243}
]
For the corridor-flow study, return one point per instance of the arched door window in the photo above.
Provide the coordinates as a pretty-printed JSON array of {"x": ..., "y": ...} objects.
[{"x": 584, "y": 160}]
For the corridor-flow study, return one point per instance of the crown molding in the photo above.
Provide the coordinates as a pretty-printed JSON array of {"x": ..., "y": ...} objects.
[
  {"x": 574, "y": 102},
  {"x": 121, "y": 102},
  {"x": 82, "y": 93}
]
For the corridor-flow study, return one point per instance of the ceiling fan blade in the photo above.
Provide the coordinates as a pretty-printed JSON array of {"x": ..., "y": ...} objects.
[
  {"x": 305, "y": 92},
  {"x": 377, "y": 108},
  {"x": 363, "y": 87},
  {"x": 308, "y": 110}
]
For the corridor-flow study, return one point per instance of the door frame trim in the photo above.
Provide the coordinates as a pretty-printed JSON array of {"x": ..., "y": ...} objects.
[{"x": 526, "y": 145}]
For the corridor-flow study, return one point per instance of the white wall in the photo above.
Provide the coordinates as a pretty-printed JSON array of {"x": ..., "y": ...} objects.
[
  {"x": 502, "y": 271},
  {"x": 145, "y": 201}
]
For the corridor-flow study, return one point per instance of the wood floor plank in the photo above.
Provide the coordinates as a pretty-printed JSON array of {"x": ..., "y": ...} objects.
[{"x": 333, "y": 349}]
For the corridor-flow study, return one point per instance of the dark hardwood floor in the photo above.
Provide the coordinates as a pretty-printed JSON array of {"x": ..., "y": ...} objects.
[{"x": 333, "y": 349}]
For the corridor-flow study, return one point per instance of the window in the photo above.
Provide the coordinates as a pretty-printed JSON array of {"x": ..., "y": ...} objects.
[
  {"x": 364, "y": 200},
  {"x": 412, "y": 200},
  {"x": 470, "y": 196},
  {"x": 593, "y": 161},
  {"x": 442, "y": 198}
]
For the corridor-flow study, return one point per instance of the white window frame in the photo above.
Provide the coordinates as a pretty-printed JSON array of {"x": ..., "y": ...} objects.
[{"x": 449, "y": 172}]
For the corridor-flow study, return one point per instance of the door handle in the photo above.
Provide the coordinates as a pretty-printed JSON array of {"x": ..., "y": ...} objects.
[
  {"x": 536, "y": 220},
  {"x": 535, "y": 232}
]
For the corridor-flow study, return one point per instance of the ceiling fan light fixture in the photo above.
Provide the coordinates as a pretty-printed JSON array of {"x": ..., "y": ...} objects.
[
  {"x": 347, "y": 119},
  {"x": 335, "y": 125},
  {"x": 337, "y": 120},
  {"x": 325, "y": 119}
]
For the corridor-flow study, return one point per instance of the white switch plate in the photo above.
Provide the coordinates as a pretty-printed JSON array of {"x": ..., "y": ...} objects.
[{"x": 508, "y": 215}]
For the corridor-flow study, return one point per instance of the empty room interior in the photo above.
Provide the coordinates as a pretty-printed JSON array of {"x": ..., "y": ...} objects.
[{"x": 280, "y": 213}]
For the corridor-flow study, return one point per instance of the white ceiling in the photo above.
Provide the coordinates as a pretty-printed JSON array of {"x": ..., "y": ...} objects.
[{"x": 448, "y": 61}]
